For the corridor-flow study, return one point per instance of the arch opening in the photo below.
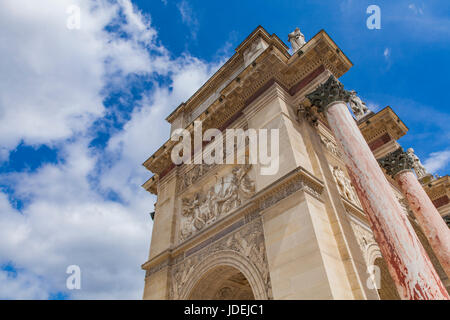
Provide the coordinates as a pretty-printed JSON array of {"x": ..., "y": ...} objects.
[
  {"x": 222, "y": 283},
  {"x": 388, "y": 291}
]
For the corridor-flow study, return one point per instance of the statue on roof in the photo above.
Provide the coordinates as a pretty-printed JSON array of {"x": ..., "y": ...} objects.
[
  {"x": 419, "y": 168},
  {"x": 359, "y": 108},
  {"x": 297, "y": 39}
]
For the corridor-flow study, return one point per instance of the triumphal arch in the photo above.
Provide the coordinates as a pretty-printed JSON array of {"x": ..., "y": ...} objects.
[{"x": 345, "y": 212}]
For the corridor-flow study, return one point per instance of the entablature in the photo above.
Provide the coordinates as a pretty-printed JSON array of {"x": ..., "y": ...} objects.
[
  {"x": 382, "y": 130},
  {"x": 274, "y": 64},
  {"x": 439, "y": 192}
]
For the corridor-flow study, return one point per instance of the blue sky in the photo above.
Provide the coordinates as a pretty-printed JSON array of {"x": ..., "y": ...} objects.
[{"x": 80, "y": 110}]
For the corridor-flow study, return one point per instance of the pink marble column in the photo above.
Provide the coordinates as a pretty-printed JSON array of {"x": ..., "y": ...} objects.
[
  {"x": 431, "y": 222},
  {"x": 408, "y": 263}
]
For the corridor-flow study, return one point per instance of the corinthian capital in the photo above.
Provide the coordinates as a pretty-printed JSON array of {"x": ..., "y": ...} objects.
[
  {"x": 396, "y": 161},
  {"x": 329, "y": 91}
]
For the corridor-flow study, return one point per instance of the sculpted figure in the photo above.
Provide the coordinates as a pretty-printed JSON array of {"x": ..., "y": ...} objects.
[
  {"x": 359, "y": 108},
  {"x": 246, "y": 185},
  {"x": 297, "y": 39},
  {"x": 227, "y": 194},
  {"x": 344, "y": 185},
  {"x": 418, "y": 166},
  {"x": 213, "y": 204},
  {"x": 187, "y": 228}
]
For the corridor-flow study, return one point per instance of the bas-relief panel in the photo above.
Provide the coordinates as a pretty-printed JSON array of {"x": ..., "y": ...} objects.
[
  {"x": 331, "y": 146},
  {"x": 345, "y": 186},
  {"x": 206, "y": 206}
]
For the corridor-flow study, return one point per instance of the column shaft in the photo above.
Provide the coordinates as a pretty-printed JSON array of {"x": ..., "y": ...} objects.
[
  {"x": 408, "y": 263},
  {"x": 431, "y": 222}
]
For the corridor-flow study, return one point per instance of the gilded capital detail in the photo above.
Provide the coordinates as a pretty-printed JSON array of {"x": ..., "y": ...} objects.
[
  {"x": 396, "y": 162},
  {"x": 328, "y": 92}
]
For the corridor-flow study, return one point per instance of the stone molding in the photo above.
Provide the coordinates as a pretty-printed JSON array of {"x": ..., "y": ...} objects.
[{"x": 193, "y": 174}]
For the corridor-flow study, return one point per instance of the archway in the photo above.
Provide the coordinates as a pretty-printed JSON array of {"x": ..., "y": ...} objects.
[
  {"x": 225, "y": 275},
  {"x": 387, "y": 290},
  {"x": 222, "y": 283}
]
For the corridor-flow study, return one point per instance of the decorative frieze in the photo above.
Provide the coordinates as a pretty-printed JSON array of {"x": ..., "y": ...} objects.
[
  {"x": 206, "y": 207},
  {"x": 194, "y": 174},
  {"x": 396, "y": 162},
  {"x": 330, "y": 91}
]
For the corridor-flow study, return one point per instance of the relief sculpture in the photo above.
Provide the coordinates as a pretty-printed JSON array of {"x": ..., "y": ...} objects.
[
  {"x": 206, "y": 207},
  {"x": 345, "y": 186}
]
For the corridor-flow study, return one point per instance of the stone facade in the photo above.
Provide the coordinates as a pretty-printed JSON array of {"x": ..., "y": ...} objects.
[{"x": 228, "y": 232}]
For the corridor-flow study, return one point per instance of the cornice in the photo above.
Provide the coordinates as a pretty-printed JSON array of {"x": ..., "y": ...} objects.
[
  {"x": 271, "y": 65},
  {"x": 384, "y": 121},
  {"x": 438, "y": 188},
  {"x": 227, "y": 70},
  {"x": 151, "y": 185}
]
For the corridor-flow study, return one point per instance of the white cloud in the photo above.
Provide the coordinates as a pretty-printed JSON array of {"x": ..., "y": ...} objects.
[
  {"x": 437, "y": 160},
  {"x": 415, "y": 9},
  {"x": 373, "y": 106},
  {"x": 21, "y": 286},
  {"x": 188, "y": 17},
  {"x": 52, "y": 77},
  {"x": 51, "y": 91},
  {"x": 387, "y": 53}
]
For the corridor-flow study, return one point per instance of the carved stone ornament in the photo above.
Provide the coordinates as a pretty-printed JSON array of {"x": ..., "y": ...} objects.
[
  {"x": 309, "y": 114},
  {"x": 345, "y": 186},
  {"x": 403, "y": 203},
  {"x": 330, "y": 91},
  {"x": 359, "y": 108},
  {"x": 331, "y": 146},
  {"x": 247, "y": 242},
  {"x": 297, "y": 39},
  {"x": 194, "y": 174},
  {"x": 420, "y": 170},
  {"x": 366, "y": 243},
  {"x": 206, "y": 207},
  {"x": 396, "y": 162}
]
